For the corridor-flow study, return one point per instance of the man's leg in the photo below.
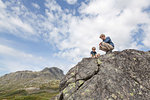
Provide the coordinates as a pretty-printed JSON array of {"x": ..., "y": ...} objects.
[
  {"x": 107, "y": 46},
  {"x": 103, "y": 48}
]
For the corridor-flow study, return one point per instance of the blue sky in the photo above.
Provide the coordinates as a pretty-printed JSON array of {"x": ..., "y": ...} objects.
[{"x": 35, "y": 34}]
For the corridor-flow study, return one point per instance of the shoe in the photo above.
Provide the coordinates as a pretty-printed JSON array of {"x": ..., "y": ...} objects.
[{"x": 108, "y": 52}]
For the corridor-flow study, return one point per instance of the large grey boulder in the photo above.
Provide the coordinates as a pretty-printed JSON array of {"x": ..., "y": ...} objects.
[{"x": 116, "y": 76}]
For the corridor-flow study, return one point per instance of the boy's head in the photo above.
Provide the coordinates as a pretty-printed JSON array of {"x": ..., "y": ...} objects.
[
  {"x": 102, "y": 36},
  {"x": 93, "y": 48}
]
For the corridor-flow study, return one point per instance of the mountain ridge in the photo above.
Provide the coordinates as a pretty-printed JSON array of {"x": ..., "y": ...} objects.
[
  {"x": 28, "y": 83},
  {"x": 51, "y": 70}
]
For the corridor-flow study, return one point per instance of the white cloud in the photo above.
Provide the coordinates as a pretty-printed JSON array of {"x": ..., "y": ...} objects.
[
  {"x": 74, "y": 36},
  {"x": 4, "y": 50},
  {"x": 15, "y": 55},
  {"x": 2, "y": 5},
  {"x": 104, "y": 16},
  {"x": 36, "y": 5},
  {"x": 14, "y": 60},
  {"x": 71, "y": 1},
  {"x": 147, "y": 36},
  {"x": 10, "y": 21}
]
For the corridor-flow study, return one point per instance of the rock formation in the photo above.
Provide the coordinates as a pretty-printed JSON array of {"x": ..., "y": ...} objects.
[{"x": 121, "y": 75}]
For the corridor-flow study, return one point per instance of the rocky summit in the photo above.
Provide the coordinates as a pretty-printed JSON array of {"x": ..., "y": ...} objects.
[{"x": 121, "y": 75}]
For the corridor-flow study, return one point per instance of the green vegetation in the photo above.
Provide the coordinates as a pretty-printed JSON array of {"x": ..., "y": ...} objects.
[
  {"x": 37, "y": 96},
  {"x": 51, "y": 85},
  {"x": 28, "y": 85},
  {"x": 17, "y": 92},
  {"x": 45, "y": 92}
]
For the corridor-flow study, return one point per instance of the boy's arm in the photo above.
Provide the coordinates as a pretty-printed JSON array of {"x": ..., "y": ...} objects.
[{"x": 96, "y": 54}]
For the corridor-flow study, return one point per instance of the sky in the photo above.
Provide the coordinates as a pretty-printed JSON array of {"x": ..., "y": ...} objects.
[{"x": 35, "y": 34}]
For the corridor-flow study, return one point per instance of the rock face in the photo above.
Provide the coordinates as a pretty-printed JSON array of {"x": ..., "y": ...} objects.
[{"x": 116, "y": 76}]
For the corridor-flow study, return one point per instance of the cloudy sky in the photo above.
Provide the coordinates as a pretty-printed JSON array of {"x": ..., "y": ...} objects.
[{"x": 44, "y": 33}]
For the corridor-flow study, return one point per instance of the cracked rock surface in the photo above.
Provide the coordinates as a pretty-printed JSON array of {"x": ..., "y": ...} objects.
[{"x": 121, "y": 75}]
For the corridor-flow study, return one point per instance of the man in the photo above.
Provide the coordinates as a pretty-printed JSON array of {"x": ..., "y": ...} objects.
[{"x": 107, "y": 45}]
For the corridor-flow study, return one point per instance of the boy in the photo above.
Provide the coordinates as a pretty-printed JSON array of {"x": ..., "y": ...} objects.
[{"x": 93, "y": 52}]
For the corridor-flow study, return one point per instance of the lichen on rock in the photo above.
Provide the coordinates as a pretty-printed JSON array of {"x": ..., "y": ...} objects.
[{"x": 121, "y": 75}]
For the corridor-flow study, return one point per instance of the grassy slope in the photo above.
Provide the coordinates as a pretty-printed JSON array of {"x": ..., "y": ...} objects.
[
  {"x": 37, "y": 96},
  {"x": 46, "y": 92}
]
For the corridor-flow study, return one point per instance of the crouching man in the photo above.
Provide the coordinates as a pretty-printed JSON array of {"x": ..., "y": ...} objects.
[{"x": 107, "y": 45}]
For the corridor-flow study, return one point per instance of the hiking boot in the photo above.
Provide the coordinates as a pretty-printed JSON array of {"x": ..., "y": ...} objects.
[{"x": 108, "y": 52}]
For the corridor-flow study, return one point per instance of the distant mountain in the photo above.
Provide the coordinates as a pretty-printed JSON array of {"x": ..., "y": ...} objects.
[{"x": 30, "y": 82}]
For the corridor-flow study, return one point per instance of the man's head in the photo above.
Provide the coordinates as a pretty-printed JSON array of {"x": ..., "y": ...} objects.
[
  {"x": 102, "y": 36},
  {"x": 93, "y": 49}
]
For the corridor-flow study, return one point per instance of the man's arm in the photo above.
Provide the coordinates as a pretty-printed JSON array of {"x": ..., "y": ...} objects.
[{"x": 100, "y": 43}]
